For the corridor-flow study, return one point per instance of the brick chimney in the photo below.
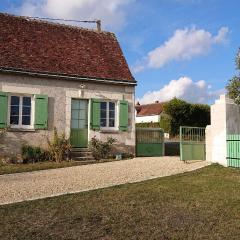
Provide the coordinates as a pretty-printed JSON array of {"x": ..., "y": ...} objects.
[{"x": 99, "y": 25}]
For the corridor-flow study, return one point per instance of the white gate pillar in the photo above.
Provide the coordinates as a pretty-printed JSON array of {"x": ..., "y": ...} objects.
[{"x": 225, "y": 119}]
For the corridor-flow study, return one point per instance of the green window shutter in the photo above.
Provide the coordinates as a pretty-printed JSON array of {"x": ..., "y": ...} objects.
[
  {"x": 3, "y": 109},
  {"x": 41, "y": 112},
  {"x": 123, "y": 115},
  {"x": 95, "y": 114}
]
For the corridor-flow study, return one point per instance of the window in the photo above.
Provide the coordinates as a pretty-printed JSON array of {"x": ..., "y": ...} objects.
[
  {"x": 108, "y": 115},
  {"x": 20, "y": 111}
]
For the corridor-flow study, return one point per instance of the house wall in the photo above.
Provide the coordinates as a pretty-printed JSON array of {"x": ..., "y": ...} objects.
[
  {"x": 225, "y": 119},
  {"x": 60, "y": 93},
  {"x": 143, "y": 119}
]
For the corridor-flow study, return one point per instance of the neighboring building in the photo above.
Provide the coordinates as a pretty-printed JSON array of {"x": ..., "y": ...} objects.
[
  {"x": 55, "y": 75},
  {"x": 148, "y": 112}
]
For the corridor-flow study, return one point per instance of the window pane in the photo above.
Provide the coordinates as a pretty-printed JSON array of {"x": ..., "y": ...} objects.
[
  {"x": 26, "y": 111},
  {"x": 14, "y": 110},
  {"x": 111, "y": 114},
  {"x": 82, "y": 124},
  {"x": 75, "y": 104},
  {"x": 112, "y": 122},
  {"x": 26, "y": 120},
  {"x": 111, "y": 106},
  {"x": 103, "y": 105},
  {"x": 83, "y": 104},
  {"x": 15, "y": 100},
  {"x": 103, "y": 114},
  {"x": 14, "y": 120},
  {"x": 83, "y": 114},
  {"x": 103, "y": 122},
  {"x": 27, "y": 101},
  {"x": 75, "y": 114},
  {"x": 74, "y": 124}
]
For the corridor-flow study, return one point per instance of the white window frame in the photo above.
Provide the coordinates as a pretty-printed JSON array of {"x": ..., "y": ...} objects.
[
  {"x": 107, "y": 118},
  {"x": 20, "y": 126}
]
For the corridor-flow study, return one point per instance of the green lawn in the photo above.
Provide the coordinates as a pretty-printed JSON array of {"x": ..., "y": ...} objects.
[
  {"x": 204, "y": 204},
  {"x": 17, "y": 168}
]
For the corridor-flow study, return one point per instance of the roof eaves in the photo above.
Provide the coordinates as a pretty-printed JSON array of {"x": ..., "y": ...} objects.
[{"x": 132, "y": 82}]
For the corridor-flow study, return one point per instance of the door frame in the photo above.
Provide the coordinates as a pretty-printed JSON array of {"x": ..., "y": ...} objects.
[{"x": 88, "y": 120}]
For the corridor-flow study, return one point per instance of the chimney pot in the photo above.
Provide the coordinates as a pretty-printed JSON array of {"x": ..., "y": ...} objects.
[{"x": 99, "y": 25}]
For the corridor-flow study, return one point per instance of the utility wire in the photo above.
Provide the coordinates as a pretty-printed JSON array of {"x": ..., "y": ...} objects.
[{"x": 65, "y": 20}]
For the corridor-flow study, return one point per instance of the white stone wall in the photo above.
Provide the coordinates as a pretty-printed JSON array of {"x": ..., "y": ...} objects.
[
  {"x": 60, "y": 93},
  {"x": 147, "y": 119},
  {"x": 225, "y": 119}
]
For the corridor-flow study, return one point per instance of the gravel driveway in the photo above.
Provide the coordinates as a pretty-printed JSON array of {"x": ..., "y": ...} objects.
[{"x": 46, "y": 183}]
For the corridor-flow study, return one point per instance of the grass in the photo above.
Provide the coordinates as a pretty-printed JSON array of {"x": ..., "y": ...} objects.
[
  {"x": 29, "y": 167},
  {"x": 204, "y": 204}
]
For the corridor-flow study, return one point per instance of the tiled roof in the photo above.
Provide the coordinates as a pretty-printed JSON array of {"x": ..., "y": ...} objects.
[
  {"x": 46, "y": 47},
  {"x": 149, "y": 109}
]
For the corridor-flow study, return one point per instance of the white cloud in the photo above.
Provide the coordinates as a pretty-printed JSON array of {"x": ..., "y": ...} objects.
[
  {"x": 183, "y": 45},
  {"x": 184, "y": 88},
  {"x": 111, "y": 12}
]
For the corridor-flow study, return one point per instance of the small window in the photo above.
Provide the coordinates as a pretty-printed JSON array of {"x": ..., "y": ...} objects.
[
  {"x": 108, "y": 115},
  {"x": 20, "y": 111}
]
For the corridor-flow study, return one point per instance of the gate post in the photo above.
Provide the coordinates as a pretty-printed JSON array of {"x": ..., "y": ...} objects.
[{"x": 225, "y": 120}]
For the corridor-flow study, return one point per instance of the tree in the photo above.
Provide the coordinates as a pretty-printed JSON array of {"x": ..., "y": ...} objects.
[
  {"x": 233, "y": 86},
  {"x": 186, "y": 114}
]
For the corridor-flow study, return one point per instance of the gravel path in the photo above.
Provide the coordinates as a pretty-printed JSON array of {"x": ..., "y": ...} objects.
[{"x": 46, "y": 183}]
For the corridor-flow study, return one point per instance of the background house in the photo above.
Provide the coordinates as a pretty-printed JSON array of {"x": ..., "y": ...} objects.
[
  {"x": 74, "y": 79},
  {"x": 148, "y": 112}
]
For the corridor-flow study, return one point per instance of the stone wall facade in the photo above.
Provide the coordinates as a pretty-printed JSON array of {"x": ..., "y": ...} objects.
[
  {"x": 225, "y": 120},
  {"x": 60, "y": 92}
]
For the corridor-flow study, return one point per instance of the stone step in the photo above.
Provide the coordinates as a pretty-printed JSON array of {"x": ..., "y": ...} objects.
[
  {"x": 84, "y": 159},
  {"x": 81, "y": 154},
  {"x": 80, "y": 150}
]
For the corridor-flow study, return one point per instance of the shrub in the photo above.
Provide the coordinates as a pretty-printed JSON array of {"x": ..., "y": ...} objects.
[
  {"x": 59, "y": 147},
  {"x": 100, "y": 149},
  {"x": 32, "y": 154},
  {"x": 147, "y": 125},
  {"x": 127, "y": 156},
  {"x": 2, "y": 131},
  {"x": 10, "y": 158},
  {"x": 165, "y": 123},
  {"x": 186, "y": 114}
]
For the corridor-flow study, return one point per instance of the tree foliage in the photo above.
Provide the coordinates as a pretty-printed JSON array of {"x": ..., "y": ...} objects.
[
  {"x": 186, "y": 114},
  {"x": 233, "y": 86}
]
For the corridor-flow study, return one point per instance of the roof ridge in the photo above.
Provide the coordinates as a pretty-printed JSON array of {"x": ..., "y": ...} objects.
[
  {"x": 148, "y": 104},
  {"x": 36, "y": 19}
]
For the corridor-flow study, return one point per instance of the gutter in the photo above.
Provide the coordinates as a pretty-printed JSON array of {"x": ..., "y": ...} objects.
[{"x": 68, "y": 77}]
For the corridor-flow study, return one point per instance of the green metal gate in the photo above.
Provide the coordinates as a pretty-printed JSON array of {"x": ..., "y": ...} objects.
[
  {"x": 192, "y": 143},
  {"x": 149, "y": 142},
  {"x": 233, "y": 150}
]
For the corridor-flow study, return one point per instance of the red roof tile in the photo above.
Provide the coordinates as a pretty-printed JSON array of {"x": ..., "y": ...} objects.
[
  {"x": 39, "y": 46},
  {"x": 149, "y": 109}
]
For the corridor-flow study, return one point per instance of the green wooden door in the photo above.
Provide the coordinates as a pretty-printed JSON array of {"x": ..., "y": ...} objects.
[{"x": 79, "y": 123}]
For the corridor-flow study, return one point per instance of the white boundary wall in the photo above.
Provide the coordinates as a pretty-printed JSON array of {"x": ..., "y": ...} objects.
[{"x": 225, "y": 119}]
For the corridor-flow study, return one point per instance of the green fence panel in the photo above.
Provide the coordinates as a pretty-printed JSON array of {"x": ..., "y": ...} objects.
[
  {"x": 233, "y": 150},
  {"x": 149, "y": 142},
  {"x": 192, "y": 143},
  {"x": 149, "y": 149}
]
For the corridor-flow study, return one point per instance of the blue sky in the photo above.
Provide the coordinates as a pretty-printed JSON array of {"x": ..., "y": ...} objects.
[{"x": 193, "y": 42}]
